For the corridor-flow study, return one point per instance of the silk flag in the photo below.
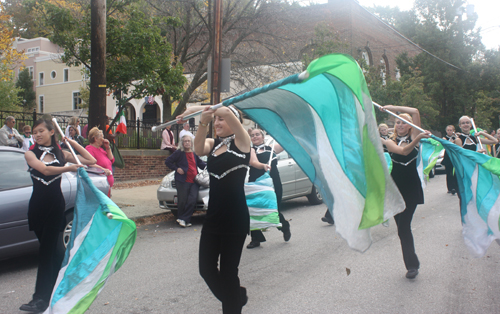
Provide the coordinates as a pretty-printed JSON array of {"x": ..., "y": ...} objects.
[
  {"x": 327, "y": 124},
  {"x": 430, "y": 150},
  {"x": 262, "y": 204},
  {"x": 122, "y": 124},
  {"x": 98, "y": 247},
  {"x": 479, "y": 187}
]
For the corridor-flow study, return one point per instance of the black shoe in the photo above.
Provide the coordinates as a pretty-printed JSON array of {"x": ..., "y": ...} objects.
[
  {"x": 253, "y": 244},
  {"x": 243, "y": 296},
  {"x": 287, "y": 235},
  {"x": 449, "y": 192},
  {"x": 329, "y": 221},
  {"x": 35, "y": 306},
  {"x": 412, "y": 273},
  {"x": 453, "y": 192}
]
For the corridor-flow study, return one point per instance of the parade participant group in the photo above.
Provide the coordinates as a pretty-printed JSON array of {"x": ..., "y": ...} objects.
[{"x": 231, "y": 155}]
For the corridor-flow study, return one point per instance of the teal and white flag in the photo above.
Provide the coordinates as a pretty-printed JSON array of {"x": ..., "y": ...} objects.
[
  {"x": 327, "y": 124},
  {"x": 98, "y": 247},
  {"x": 430, "y": 150},
  {"x": 262, "y": 204},
  {"x": 479, "y": 187}
]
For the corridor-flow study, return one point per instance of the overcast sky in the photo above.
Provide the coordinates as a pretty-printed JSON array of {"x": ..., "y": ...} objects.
[{"x": 487, "y": 10}]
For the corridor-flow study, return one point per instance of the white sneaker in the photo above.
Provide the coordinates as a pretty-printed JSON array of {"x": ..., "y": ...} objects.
[{"x": 181, "y": 223}]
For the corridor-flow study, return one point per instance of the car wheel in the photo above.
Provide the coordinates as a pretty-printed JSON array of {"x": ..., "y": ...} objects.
[
  {"x": 65, "y": 235},
  {"x": 315, "y": 197},
  {"x": 432, "y": 173},
  {"x": 174, "y": 212}
]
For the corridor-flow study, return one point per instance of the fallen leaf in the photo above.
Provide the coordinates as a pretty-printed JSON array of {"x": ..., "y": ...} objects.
[{"x": 348, "y": 271}]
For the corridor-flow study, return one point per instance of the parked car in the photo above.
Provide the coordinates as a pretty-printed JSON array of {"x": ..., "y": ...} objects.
[
  {"x": 294, "y": 181},
  {"x": 15, "y": 192},
  {"x": 438, "y": 168}
]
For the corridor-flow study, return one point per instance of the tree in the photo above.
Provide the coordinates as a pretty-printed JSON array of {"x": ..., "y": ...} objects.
[
  {"x": 26, "y": 93},
  {"x": 139, "y": 60},
  {"x": 254, "y": 34},
  {"x": 9, "y": 59}
]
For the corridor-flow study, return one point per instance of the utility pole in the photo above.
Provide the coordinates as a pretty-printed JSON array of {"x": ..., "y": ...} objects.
[
  {"x": 216, "y": 54},
  {"x": 97, "y": 106}
]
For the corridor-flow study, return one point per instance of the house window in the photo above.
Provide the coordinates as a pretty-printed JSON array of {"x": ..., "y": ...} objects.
[
  {"x": 40, "y": 103},
  {"x": 31, "y": 69},
  {"x": 77, "y": 101},
  {"x": 53, "y": 74},
  {"x": 30, "y": 50},
  {"x": 40, "y": 78},
  {"x": 66, "y": 75}
]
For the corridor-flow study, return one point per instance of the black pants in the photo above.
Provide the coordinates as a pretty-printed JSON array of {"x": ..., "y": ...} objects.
[
  {"x": 187, "y": 195},
  {"x": 51, "y": 255},
  {"x": 218, "y": 263},
  {"x": 403, "y": 221},
  {"x": 451, "y": 179},
  {"x": 258, "y": 236}
]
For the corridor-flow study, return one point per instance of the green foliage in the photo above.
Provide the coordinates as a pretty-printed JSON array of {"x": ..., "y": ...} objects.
[
  {"x": 325, "y": 41},
  {"x": 9, "y": 99},
  {"x": 139, "y": 60},
  {"x": 26, "y": 93}
]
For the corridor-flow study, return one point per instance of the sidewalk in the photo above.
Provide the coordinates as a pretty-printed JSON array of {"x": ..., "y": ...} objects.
[{"x": 138, "y": 202}]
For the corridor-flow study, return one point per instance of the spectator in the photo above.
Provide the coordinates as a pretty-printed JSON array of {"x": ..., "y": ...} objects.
[
  {"x": 185, "y": 163},
  {"x": 185, "y": 131},
  {"x": 73, "y": 135},
  {"x": 85, "y": 131},
  {"x": 99, "y": 149},
  {"x": 73, "y": 121},
  {"x": 8, "y": 135},
  {"x": 28, "y": 138},
  {"x": 168, "y": 142}
]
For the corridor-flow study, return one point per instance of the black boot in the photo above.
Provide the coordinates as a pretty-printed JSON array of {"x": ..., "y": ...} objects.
[{"x": 35, "y": 306}]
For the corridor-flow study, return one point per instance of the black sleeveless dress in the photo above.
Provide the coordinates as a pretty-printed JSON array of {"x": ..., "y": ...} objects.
[
  {"x": 47, "y": 205},
  {"x": 263, "y": 153},
  {"x": 470, "y": 146},
  {"x": 227, "y": 207},
  {"x": 405, "y": 175}
]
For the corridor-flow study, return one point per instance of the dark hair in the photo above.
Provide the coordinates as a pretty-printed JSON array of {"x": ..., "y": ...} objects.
[{"x": 56, "y": 149}]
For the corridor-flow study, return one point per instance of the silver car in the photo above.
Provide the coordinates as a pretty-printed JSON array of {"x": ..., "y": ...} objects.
[
  {"x": 15, "y": 193},
  {"x": 294, "y": 181}
]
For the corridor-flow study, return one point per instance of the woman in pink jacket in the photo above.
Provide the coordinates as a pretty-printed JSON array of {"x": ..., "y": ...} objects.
[{"x": 99, "y": 149}]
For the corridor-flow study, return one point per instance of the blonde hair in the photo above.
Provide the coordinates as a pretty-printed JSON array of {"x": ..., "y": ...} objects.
[
  {"x": 406, "y": 117},
  {"x": 27, "y": 127},
  {"x": 382, "y": 125},
  {"x": 73, "y": 121},
  {"x": 94, "y": 133},
  {"x": 462, "y": 118},
  {"x": 451, "y": 126}
]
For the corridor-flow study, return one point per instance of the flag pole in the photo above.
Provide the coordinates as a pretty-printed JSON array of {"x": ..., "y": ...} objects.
[
  {"x": 475, "y": 132},
  {"x": 67, "y": 142},
  {"x": 194, "y": 114},
  {"x": 395, "y": 115},
  {"x": 271, "y": 156}
]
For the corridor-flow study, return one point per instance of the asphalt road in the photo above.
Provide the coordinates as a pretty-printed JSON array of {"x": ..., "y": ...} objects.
[{"x": 306, "y": 275}]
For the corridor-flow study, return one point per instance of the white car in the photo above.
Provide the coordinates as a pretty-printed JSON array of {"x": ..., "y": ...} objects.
[{"x": 294, "y": 181}]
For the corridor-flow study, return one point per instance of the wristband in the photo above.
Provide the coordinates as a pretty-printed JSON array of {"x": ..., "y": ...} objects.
[{"x": 204, "y": 124}]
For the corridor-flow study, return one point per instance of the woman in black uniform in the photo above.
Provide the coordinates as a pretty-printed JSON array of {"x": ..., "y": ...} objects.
[
  {"x": 46, "y": 218},
  {"x": 451, "y": 179},
  {"x": 259, "y": 160},
  {"x": 403, "y": 149},
  {"x": 470, "y": 142},
  {"x": 227, "y": 222}
]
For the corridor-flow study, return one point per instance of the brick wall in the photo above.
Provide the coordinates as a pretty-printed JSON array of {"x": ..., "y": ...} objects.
[{"x": 142, "y": 164}]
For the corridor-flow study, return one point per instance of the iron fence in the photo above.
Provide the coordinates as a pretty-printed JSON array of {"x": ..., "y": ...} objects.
[{"x": 139, "y": 134}]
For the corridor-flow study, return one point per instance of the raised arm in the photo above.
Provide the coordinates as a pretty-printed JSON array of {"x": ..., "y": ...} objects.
[
  {"x": 413, "y": 112},
  {"x": 488, "y": 140}
]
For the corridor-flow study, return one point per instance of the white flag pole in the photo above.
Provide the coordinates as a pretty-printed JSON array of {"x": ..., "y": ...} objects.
[
  {"x": 271, "y": 156},
  {"x": 395, "y": 115},
  {"x": 475, "y": 132},
  {"x": 67, "y": 142}
]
